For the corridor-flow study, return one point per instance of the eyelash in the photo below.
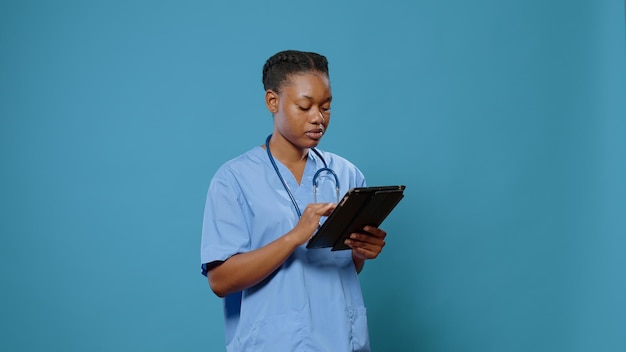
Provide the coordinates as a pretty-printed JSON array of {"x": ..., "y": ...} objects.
[{"x": 307, "y": 109}]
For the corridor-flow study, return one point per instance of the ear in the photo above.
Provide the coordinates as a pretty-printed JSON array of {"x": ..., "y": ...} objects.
[{"x": 271, "y": 101}]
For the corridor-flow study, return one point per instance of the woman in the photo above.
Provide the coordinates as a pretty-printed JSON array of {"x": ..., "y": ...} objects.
[{"x": 279, "y": 295}]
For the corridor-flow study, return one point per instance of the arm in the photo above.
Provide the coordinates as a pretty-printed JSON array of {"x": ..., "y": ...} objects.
[
  {"x": 358, "y": 263},
  {"x": 244, "y": 270},
  {"x": 366, "y": 245}
]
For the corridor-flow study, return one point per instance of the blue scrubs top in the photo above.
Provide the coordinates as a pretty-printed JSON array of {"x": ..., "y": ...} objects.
[{"x": 313, "y": 302}]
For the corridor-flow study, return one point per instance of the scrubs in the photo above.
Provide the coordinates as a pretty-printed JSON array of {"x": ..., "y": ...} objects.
[{"x": 313, "y": 302}]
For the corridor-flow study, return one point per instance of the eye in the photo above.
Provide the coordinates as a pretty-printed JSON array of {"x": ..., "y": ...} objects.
[
  {"x": 325, "y": 109},
  {"x": 304, "y": 108}
]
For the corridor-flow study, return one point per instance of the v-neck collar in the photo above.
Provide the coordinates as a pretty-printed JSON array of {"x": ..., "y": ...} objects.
[{"x": 307, "y": 176}]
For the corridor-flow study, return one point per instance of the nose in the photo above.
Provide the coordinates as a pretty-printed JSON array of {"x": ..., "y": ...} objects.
[{"x": 315, "y": 119}]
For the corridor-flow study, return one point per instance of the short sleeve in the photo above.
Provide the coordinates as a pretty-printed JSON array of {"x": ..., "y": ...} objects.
[
  {"x": 224, "y": 227},
  {"x": 360, "y": 179}
]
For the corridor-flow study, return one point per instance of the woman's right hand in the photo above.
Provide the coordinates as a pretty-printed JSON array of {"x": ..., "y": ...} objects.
[{"x": 309, "y": 221}]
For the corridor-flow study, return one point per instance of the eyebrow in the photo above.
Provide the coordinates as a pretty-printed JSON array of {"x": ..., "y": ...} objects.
[{"x": 330, "y": 98}]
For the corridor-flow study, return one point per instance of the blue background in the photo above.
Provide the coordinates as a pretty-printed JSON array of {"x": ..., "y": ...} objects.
[{"x": 505, "y": 119}]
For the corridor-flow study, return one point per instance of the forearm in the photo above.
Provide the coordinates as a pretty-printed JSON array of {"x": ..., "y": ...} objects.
[{"x": 245, "y": 270}]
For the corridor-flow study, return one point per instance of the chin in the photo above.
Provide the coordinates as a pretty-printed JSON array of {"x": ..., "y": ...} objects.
[
  {"x": 312, "y": 143},
  {"x": 313, "y": 140}
]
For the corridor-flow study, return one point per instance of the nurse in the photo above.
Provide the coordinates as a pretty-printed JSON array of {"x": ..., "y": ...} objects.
[{"x": 260, "y": 213}]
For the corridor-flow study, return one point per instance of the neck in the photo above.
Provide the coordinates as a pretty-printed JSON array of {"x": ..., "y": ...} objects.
[{"x": 286, "y": 152}]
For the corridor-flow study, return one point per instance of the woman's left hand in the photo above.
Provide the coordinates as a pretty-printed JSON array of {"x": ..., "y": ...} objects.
[{"x": 368, "y": 244}]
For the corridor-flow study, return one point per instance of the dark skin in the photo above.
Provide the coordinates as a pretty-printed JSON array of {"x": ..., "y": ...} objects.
[{"x": 301, "y": 112}]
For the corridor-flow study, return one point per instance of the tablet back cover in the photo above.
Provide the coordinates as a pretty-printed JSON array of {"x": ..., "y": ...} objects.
[{"x": 358, "y": 208}]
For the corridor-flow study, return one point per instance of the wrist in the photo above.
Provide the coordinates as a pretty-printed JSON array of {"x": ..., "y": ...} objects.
[
  {"x": 293, "y": 239},
  {"x": 359, "y": 262}
]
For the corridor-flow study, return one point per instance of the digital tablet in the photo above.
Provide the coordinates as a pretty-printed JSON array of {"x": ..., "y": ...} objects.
[{"x": 360, "y": 207}]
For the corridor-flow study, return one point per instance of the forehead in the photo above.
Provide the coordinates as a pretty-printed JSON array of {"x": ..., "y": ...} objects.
[{"x": 307, "y": 83}]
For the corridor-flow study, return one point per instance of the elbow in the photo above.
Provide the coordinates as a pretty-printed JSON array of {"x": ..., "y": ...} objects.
[
  {"x": 217, "y": 286},
  {"x": 221, "y": 293},
  {"x": 217, "y": 280}
]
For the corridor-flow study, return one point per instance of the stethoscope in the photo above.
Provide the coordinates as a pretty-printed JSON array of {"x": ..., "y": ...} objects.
[{"x": 315, "y": 176}]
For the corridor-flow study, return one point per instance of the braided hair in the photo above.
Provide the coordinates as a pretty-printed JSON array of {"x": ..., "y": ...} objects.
[{"x": 281, "y": 65}]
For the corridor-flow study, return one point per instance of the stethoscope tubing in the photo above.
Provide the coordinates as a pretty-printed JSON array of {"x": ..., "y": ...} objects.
[{"x": 315, "y": 176}]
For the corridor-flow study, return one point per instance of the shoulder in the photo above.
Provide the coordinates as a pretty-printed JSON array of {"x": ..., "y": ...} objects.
[
  {"x": 242, "y": 164},
  {"x": 235, "y": 173}
]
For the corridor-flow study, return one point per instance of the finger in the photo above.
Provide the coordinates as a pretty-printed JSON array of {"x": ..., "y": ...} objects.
[
  {"x": 322, "y": 209},
  {"x": 329, "y": 209},
  {"x": 319, "y": 206},
  {"x": 365, "y": 253},
  {"x": 366, "y": 238},
  {"x": 319, "y": 209},
  {"x": 375, "y": 231},
  {"x": 369, "y": 247}
]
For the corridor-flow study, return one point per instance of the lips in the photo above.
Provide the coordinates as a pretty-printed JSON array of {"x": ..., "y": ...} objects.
[{"x": 315, "y": 133}]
